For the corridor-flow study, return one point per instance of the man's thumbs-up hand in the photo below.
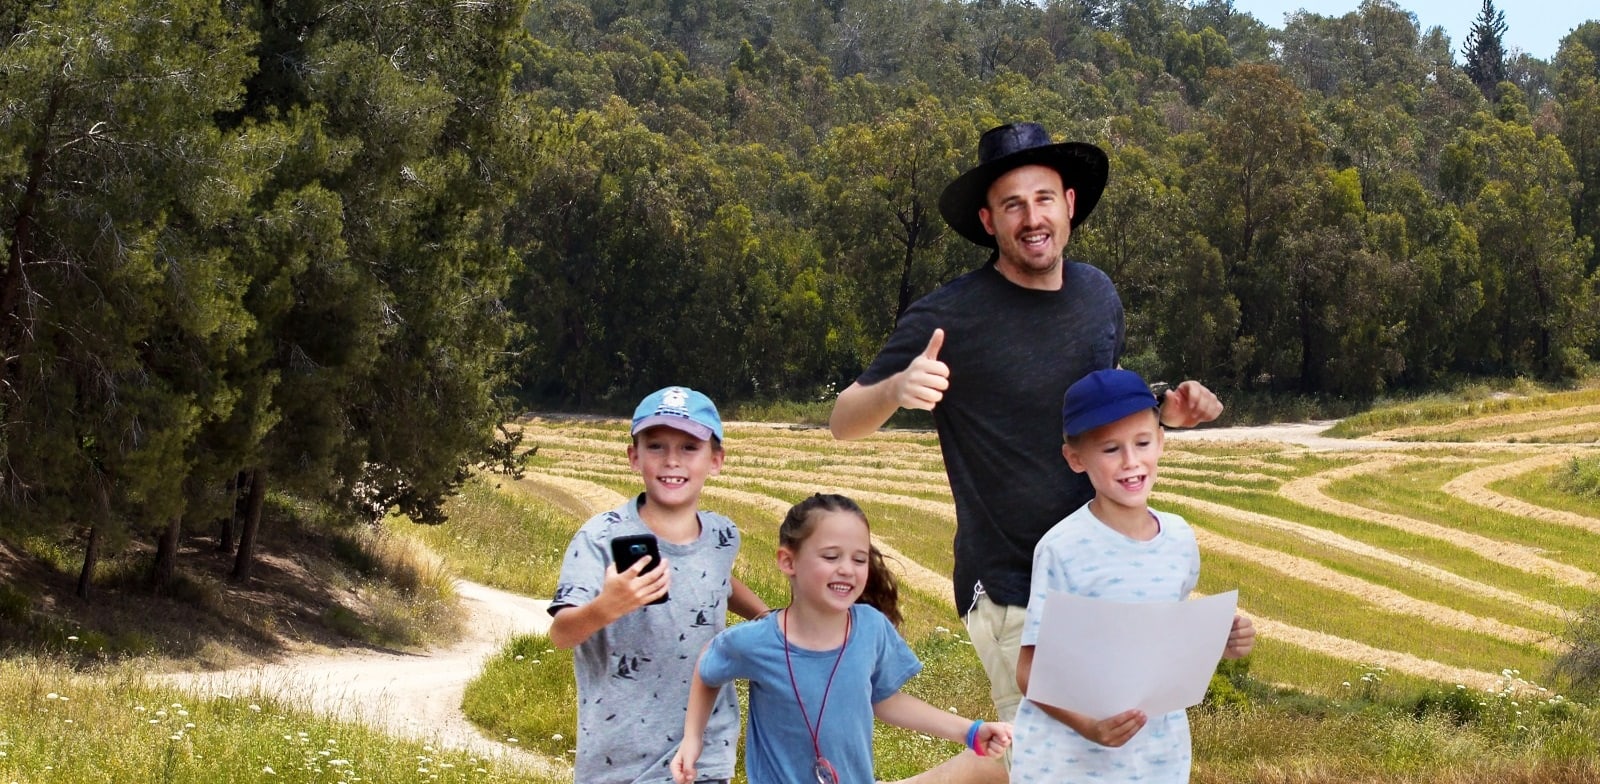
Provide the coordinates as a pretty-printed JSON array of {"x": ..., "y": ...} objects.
[{"x": 923, "y": 382}]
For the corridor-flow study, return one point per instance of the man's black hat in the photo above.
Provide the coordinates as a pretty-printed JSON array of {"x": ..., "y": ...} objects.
[{"x": 1083, "y": 169}]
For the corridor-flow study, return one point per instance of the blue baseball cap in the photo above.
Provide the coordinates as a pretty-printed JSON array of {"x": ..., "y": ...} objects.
[
  {"x": 1103, "y": 397},
  {"x": 681, "y": 408}
]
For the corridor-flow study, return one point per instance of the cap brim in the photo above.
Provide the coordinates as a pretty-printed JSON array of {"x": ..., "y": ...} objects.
[
  {"x": 689, "y": 426},
  {"x": 1084, "y": 170}
]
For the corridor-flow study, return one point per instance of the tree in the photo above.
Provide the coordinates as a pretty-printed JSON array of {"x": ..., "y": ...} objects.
[
  {"x": 1578, "y": 90},
  {"x": 883, "y": 182},
  {"x": 1484, "y": 51},
  {"x": 1514, "y": 188},
  {"x": 119, "y": 290}
]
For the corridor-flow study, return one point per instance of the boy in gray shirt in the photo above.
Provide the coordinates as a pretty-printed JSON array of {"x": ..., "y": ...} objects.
[{"x": 634, "y": 655}]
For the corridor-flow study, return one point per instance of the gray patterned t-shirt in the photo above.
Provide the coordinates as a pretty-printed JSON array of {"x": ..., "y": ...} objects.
[{"x": 634, "y": 675}]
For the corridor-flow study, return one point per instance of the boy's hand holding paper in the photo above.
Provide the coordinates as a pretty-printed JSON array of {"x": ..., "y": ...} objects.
[{"x": 1100, "y": 657}]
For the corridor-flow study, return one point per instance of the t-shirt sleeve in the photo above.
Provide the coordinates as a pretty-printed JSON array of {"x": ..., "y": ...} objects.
[
  {"x": 896, "y": 663},
  {"x": 1049, "y": 574},
  {"x": 723, "y": 659},
  {"x": 1192, "y": 581},
  {"x": 583, "y": 572},
  {"x": 908, "y": 339}
]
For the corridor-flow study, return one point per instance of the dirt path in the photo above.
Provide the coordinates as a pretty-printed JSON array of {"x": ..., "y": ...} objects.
[{"x": 414, "y": 695}]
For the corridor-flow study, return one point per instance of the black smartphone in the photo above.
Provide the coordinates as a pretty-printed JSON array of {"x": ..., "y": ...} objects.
[{"x": 625, "y": 550}]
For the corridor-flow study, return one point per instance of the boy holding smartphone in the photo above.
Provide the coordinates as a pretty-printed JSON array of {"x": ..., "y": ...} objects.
[{"x": 634, "y": 654}]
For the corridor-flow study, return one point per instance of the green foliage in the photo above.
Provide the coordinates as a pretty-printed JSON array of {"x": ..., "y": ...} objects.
[
  {"x": 219, "y": 261},
  {"x": 1580, "y": 662},
  {"x": 1580, "y": 477},
  {"x": 1229, "y": 686}
]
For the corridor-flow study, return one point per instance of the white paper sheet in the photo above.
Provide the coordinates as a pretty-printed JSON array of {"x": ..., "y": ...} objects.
[{"x": 1100, "y": 657}]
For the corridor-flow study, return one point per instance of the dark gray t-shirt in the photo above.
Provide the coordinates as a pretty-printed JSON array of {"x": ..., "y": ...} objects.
[
  {"x": 634, "y": 675},
  {"x": 1012, "y": 353}
]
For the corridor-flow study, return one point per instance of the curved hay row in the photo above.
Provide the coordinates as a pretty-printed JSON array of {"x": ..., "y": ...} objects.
[
  {"x": 600, "y": 498},
  {"x": 1475, "y": 422},
  {"x": 1377, "y": 595},
  {"x": 1473, "y": 487},
  {"x": 1309, "y": 491},
  {"x": 1202, "y": 473},
  {"x": 859, "y": 486},
  {"x": 739, "y": 459},
  {"x": 943, "y": 510},
  {"x": 583, "y": 498},
  {"x": 946, "y": 512},
  {"x": 1557, "y": 432},
  {"x": 1351, "y": 650},
  {"x": 928, "y": 478},
  {"x": 1338, "y": 541},
  {"x": 910, "y": 572}
]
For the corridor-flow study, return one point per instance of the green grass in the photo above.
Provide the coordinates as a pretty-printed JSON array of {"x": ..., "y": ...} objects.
[
  {"x": 497, "y": 538},
  {"x": 1424, "y": 549},
  {"x": 1317, "y": 730},
  {"x": 527, "y": 692},
  {"x": 1573, "y": 487},
  {"x": 57, "y": 725},
  {"x": 1275, "y": 595},
  {"x": 1444, "y": 408},
  {"x": 1308, "y": 717},
  {"x": 1413, "y": 491},
  {"x": 1394, "y": 576}
]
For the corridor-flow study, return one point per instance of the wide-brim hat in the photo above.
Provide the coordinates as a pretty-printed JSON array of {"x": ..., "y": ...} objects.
[{"x": 1083, "y": 168}]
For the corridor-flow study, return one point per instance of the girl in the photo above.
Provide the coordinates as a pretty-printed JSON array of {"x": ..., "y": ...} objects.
[{"x": 821, "y": 668}]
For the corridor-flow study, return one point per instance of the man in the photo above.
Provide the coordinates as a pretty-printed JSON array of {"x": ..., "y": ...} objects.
[{"x": 991, "y": 354}]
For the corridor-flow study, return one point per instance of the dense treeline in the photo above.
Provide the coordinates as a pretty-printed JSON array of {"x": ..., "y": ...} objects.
[
  {"x": 254, "y": 245},
  {"x": 248, "y": 245},
  {"x": 744, "y": 192}
]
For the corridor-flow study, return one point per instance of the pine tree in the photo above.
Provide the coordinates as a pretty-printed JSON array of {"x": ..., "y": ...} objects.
[{"x": 1485, "y": 51}]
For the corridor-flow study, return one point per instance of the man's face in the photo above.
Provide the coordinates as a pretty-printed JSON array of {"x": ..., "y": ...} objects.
[{"x": 1030, "y": 215}]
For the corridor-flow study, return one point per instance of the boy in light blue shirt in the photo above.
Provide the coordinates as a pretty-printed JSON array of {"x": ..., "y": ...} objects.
[{"x": 1114, "y": 547}]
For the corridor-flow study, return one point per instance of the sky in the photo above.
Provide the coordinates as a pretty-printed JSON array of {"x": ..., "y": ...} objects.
[{"x": 1535, "y": 28}]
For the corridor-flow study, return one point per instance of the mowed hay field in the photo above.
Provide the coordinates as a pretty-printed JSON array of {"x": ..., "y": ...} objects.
[{"x": 1435, "y": 553}]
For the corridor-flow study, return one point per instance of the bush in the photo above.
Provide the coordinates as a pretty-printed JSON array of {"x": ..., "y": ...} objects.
[
  {"x": 1229, "y": 685},
  {"x": 1580, "y": 663},
  {"x": 1459, "y": 705},
  {"x": 1580, "y": 477}
]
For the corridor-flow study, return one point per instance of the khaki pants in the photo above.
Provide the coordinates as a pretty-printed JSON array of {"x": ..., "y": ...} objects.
[{"x": 996, "y": 632}]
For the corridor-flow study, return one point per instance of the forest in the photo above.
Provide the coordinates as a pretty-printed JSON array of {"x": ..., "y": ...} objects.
[{"x": 323, "y": 248}]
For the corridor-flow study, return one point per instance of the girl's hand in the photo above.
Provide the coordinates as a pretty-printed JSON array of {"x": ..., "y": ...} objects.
[
  {"x": 1241, "y": 638},
  {"x": 1116, "y": 730},
  {"x": 683, "y": 761},
  {"x": 994, "y": 737}
]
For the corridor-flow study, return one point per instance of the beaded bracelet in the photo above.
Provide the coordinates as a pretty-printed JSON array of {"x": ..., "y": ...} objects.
[{"x": 972, "y": 737}]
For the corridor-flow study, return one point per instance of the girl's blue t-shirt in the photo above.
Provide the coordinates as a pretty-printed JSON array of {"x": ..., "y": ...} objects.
[{"x": 778, "y": 750}]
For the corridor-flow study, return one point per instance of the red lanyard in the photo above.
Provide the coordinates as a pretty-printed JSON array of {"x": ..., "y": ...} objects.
[{"x": 816, "y": 744}]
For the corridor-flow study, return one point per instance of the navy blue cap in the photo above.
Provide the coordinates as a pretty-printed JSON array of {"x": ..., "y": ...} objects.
[{"x": 1103, "y": 397}]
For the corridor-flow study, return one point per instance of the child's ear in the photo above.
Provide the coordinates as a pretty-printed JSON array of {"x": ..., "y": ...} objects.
[
  {"x": 786, "y": 561},
  {"x": 1070, "y": 453}
]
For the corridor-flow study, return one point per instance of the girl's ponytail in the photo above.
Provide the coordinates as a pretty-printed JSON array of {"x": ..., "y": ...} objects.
[{"x": 882, "y": 591}]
